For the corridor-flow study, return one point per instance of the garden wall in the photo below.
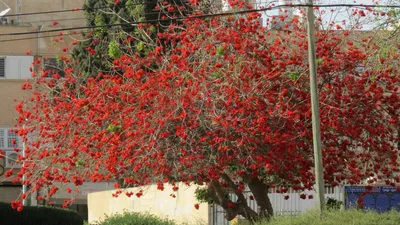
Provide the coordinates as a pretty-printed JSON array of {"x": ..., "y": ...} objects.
[{"x": 160, "y": 203}]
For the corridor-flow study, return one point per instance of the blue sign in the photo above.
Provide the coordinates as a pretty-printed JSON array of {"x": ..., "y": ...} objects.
[{"x": 380, "y": 198}]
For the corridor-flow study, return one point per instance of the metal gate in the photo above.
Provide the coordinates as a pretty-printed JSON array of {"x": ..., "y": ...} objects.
[{"x": 293, "y": 206}]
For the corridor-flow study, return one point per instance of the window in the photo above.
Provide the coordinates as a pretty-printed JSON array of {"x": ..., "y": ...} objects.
[
  {"x": 8, "y": 139},
  {"x": 54, "y": 66},
  {"x": 3, "y": 20},
  {"x": 8, "y": 142},
  {"x": 2, "y": 67}
]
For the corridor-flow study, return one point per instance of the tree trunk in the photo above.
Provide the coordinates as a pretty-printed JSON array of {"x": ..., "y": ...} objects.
[
  {"x": 259, "y": 190},
  {"x": 260, "y": 193}
]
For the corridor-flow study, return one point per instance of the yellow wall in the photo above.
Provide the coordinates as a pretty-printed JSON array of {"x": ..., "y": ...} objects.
[
  {"x": 10, "y": 90},
  {"x": 9, "y": 193},
  {"x": 160, "y": 203},
  {"x": 68, "y": 18},
  {"x": 42, "y": 46}
]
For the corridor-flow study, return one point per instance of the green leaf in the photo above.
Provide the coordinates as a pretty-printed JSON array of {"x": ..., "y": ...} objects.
[
  {"x": 294, "y": 76},
  {"x": 217, "y": 75},
  {"x": 113, "y": 128},
  {"x": 113, "y": 50},
  {"x": 220, "y": 51},
  {"x": 140, "y": 46},
  {"x": 80, "y": 163}
]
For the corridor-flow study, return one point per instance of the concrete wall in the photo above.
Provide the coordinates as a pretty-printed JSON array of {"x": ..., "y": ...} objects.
[
  {"x": 10, "y": 90},
  {"x": 39, "y": 44},
  {"x": 80, "y": 197},
  {"x": 27, "y": 6},
  {"x": 160, "y": 203},
  {"x": 9, "y": 193}
]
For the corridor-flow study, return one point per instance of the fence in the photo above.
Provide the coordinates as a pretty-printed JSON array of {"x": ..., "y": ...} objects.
[{"x": 293, "y": 206}]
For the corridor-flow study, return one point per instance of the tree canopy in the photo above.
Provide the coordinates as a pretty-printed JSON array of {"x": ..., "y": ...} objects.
[{"x": 225, "y": 106}]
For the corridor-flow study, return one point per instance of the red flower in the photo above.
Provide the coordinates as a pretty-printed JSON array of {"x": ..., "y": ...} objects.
[
  {"x": 26, "y": 86},
  {"x": 286, "y": 197},
  {"x": 303, "y": 196},
  {"x": 231, "y": 205},
  {"x": 9, "y": 173},
  {"x": 196, "y": 206},
  {"x": 55, "y": 23},
  {"x": 251, "y": 197}
]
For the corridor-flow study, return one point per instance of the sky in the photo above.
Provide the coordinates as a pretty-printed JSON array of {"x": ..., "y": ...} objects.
[{"x": 340, "y": 15}]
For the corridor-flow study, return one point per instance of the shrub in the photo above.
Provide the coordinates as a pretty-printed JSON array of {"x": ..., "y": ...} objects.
[
  {"x": 38, "y": 215},
  {"x": 333, "y": 204},
  {"x": 135, "y": 219},
  {"x": 335, "y": 217}
]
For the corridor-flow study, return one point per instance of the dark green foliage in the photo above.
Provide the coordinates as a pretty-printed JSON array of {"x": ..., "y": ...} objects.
[
  {"x": 38, "y": 215},
  {"x": 135, "y": 219},
  {"x": 105, "y": 12},
  {"x": 333, "y": 204}
]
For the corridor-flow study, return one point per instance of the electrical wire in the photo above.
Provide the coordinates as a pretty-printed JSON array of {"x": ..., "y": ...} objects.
[
  {"x": 73, "y": 10},
  {"x": 50, "y": 36},
  {"x": 200, "y": 17},
  {"x": 148, "y": 3},
  {"x": 259, "y": 4},
  {"x": 51, "y": 12}
]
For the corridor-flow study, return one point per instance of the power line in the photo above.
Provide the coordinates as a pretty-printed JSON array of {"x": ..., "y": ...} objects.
[
  {"x": 201, "y": 16},
  {"x": 47, "y": 36},
  {"x": 148, "y": 3},
  {"x": 58, "y": 20},
  {"x": 54, "y": 11},
  {"x": 74, "y": 10},
  {"x": 31, "y": 38}
]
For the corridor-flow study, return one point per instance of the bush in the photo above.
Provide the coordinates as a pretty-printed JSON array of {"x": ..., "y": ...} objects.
[
  {"x": 38, "y": 215},
  {"x": 335, "y": 217},
  {"x": 333, "y": 204},
  {"x": 135, "y": 219}
]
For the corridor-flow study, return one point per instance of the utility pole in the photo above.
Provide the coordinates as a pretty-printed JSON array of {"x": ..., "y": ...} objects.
[
  {"x": 24, "y": 186},
  {"x": 319, "y": 176}
]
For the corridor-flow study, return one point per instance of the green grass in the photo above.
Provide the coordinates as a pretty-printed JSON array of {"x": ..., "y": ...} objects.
[{"x": 347, "y": 217}]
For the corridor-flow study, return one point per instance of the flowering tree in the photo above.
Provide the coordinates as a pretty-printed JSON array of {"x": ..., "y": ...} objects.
[{"x": 223, "y": 103}]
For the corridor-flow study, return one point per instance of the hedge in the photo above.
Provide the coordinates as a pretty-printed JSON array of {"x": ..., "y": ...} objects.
[
  {"x": 135, "y": 219},
  {"x": 38, "y": 215}
]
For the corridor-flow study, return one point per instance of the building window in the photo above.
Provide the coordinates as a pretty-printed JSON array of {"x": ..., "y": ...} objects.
[
  {"x": 2, "y": 67},
  {"x": 8, "y": 142},
  {"x": 54, "y": 66}
]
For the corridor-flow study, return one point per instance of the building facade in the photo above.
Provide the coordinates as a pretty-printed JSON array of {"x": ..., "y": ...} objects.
[{"x": 17, "y": 53}]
